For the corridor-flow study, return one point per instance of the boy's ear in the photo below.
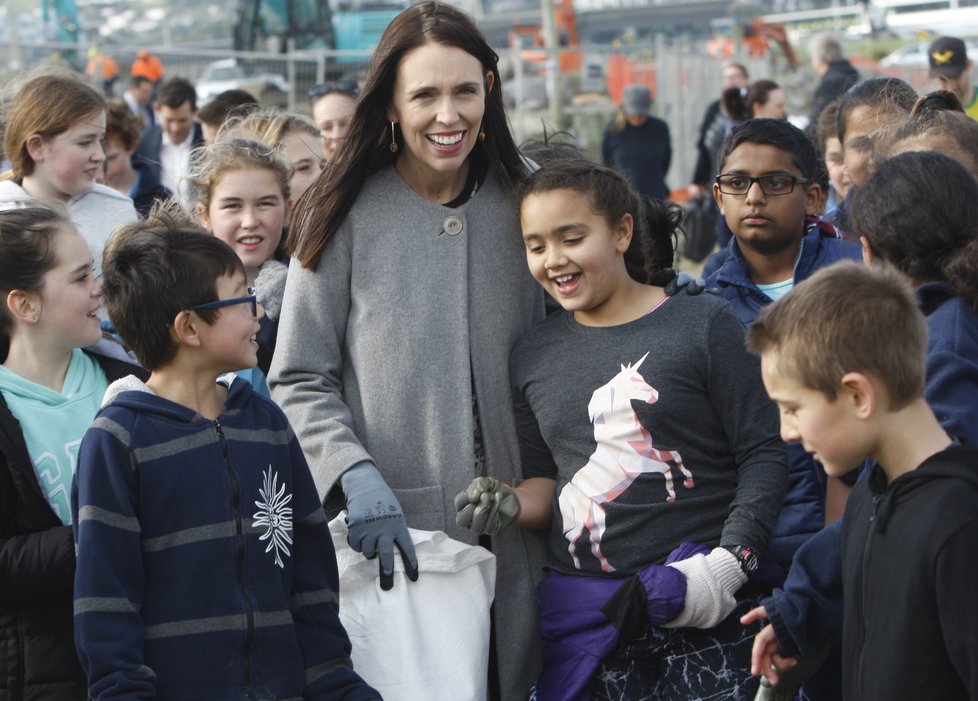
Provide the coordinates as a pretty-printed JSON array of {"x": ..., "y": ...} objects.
[
  {"x": 185, "y": 329},
  {"x": 718, "y": 197},
  {"x": 812, "y": 197},
  {"x": 860, "y": 394},
  {"x": 25, "y": 306}
]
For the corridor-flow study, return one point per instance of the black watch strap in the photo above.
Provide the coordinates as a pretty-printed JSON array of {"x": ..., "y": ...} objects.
[{"x": 745, "y": 556}]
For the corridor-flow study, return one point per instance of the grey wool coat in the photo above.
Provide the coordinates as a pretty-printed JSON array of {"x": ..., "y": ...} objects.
[{"x": 412, "y": 308}]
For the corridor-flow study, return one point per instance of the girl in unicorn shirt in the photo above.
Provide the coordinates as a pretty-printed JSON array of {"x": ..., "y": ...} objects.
[{"x": 649, "y": 450}]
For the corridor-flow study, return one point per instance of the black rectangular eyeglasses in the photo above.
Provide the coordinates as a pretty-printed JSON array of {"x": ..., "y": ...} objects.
[
  {"x": 250, "y": 298},
  {"x": 773, "y": 184}
]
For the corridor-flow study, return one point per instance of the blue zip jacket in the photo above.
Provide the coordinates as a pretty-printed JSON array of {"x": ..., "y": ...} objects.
[
  {"x": 952, "y": 359},
  {"x": 803, "y": 513},
  {"x": 206, "y": 569}
]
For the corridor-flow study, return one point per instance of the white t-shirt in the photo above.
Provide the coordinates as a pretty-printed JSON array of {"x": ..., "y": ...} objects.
[{"x": 174, "y": 163}]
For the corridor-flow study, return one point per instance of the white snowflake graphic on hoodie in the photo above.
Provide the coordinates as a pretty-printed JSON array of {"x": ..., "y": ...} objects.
[{"x": 275, "y": 515}]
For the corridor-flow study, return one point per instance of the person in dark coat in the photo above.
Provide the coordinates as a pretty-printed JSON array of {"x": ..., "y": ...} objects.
[
  {"x": 836, "y": 75},
  {"x": 735, "y": 75},
  {"x": 124, "y": 170},
  {"x": 638, "y": 145}
]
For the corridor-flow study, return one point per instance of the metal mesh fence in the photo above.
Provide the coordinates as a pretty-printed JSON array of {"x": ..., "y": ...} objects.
[{"x": 588, "y": 80}]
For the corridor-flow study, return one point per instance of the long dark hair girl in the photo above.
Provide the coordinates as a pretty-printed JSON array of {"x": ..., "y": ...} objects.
[
  {"x": 917, "y": 212},
  {"x": 656, "y": 222}
]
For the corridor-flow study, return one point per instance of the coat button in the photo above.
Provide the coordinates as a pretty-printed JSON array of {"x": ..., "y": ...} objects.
[{"x": 453, "y": 225}]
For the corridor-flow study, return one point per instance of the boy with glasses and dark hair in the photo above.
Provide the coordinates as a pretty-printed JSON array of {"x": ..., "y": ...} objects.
[
  {"x": 766, "y": 192},
  {"x": 332, "y": 106},
  {"x": 205, "y": 565}
]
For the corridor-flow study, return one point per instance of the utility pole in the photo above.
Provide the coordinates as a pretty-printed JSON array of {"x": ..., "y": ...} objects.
[{"x": 551, "y": 44}]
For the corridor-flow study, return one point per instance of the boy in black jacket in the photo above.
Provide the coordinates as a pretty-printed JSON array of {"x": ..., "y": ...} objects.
[{"x": 843, "y": 356}]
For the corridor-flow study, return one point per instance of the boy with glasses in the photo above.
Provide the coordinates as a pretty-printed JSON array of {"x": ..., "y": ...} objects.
[
  {"x": 766, "y": 192},
  {"x": 205, "y": 564}
]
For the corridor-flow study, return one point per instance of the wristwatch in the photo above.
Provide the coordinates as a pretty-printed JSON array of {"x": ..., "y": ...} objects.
[{"x": 745, "y": 556}]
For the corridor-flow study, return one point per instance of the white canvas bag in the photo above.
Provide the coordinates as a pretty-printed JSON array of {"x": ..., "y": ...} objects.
[{"x": 421, "y": 640}]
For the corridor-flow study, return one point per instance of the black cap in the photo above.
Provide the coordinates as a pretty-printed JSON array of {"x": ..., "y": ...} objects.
[{"x": 948, "y": 56}]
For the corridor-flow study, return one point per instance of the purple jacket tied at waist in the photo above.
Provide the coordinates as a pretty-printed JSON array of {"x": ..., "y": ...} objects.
[{"x": 583, "y": 617}]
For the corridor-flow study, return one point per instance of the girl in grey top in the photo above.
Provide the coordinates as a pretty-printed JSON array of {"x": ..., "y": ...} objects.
[{"x": 643, "y": 426}]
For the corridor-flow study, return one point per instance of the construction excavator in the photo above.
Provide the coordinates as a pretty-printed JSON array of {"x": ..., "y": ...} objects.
[
  {"x": 566, "y": 22},
  {"x": 757, "y": 37}
]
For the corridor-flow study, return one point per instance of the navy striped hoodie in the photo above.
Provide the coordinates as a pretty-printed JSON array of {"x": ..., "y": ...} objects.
[{"x": 205, "y": 566}]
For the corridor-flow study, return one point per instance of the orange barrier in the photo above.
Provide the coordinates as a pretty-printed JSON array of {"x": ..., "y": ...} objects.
[{"x": 624, "y": 71}]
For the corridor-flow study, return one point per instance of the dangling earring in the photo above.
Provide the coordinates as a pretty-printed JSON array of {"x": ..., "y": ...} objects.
[
  {"x": 393, "y": 140},
  {"x": 482, "y": 135}
]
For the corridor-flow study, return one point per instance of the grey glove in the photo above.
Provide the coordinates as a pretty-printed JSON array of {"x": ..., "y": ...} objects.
[
  {"x": 376, "y": 522},
  {"x": 486, "y": 506}
]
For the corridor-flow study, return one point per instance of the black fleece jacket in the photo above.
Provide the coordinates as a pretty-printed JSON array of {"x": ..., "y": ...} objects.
[
  {"x": 37, "y": 570},
  {"x": 910, "y": 567}
]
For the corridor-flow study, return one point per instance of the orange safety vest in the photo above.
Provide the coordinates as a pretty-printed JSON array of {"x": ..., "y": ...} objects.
[
  {"x": 102, "y": 67},
  {"x": 147, "y": 66}
]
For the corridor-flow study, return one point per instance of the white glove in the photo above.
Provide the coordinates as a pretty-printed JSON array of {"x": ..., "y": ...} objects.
[{"x": 711, "y": 582}]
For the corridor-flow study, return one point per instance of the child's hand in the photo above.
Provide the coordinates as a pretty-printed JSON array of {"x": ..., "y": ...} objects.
[
  {"x": 486, "y": 506},
  {"x": 765, "y": 657}
]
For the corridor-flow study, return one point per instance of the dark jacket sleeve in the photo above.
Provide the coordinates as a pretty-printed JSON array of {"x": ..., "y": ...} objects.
[
  {"x": 34, "y": 565},
  {"x": 956, "y": 570},
  {"x": 110, "y": 581},
  {"x": 840, "y": 76},
  {"x": 807, "y": 613},
  {"x": 750, "y": 420},
  {"x": 268, "y": 330},
  {"x": 701, "y": 173},
  {"x": 148, "y": 148},
  {"x": 952, "y": 391},
  {"x": 315, "y": 598}
]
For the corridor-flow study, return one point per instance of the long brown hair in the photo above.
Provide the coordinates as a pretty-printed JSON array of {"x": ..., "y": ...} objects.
[
  {"x": 47, "y": 104},
  {"x": 366, "y": 148}
]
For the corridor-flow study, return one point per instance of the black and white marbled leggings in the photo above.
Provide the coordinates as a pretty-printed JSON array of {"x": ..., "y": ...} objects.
[{"x": 684, "y": 664}]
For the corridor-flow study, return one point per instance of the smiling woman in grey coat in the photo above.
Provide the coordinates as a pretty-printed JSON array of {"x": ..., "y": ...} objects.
[{"x": 408, "y": 290}]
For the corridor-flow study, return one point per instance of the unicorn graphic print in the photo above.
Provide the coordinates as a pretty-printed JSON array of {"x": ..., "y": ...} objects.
[{"x": 624, "y": 451}]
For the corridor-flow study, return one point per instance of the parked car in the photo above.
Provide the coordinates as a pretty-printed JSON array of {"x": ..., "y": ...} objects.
[{"x": 232, "y": 74}]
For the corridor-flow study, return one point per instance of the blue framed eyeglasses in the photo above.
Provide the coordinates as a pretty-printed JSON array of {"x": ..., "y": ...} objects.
[{"x": 249, "y": 299}]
